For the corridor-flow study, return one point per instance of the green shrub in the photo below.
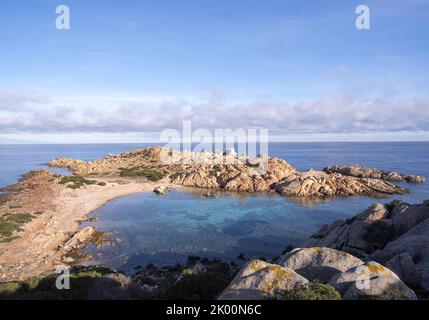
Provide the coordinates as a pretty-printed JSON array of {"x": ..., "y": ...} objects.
[
  {"x": 76, "y": 182},
  {"x": 205, "y": 285},
  {"x": 37, "y": 288},
  {"x": 102, "y": 184},
  {"x": 312, "y": 291},
  {"x": 395, "y": 294},
  {"x": 11, "y": 222},
  {"x": 150, "y": 174}
]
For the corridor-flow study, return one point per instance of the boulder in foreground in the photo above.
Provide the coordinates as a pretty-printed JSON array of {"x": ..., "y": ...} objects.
[
  {"x": 371, "y": 281},
  {"x": 318, "y": 264},
  {"x": 260, "y": 280}
]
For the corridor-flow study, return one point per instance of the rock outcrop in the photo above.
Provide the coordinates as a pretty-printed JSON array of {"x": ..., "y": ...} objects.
[
  {"x": 304, "y": 267},
  {"x": 318, "y": 264},
  {"x": 161, "y": 190},
  {"x": 362, "y": 172},
  {"x": 77, "y": 242},
  {"x": 232, "y": 172},
  {"x": 395, "y": 234},
  {"x": 260, "y": 280},
  {"x": 321, "y": 184},
  {"x": 371, "y": 280}
]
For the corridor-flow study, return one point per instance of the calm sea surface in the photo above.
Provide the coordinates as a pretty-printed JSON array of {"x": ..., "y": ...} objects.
[{"x": 168, "y": 229}]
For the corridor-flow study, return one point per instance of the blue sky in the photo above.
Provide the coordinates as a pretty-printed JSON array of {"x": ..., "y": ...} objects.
[{"x": 128, "y": 69}]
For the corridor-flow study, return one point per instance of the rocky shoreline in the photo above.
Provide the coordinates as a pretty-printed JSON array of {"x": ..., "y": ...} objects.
[
  {"x": 381, "y": 253},
  {"x": 40, "y": 218},
  {"x": 40, "y": 215},
  {"x": 232, "y": 172},
  {"x": 307, "y": 273}
]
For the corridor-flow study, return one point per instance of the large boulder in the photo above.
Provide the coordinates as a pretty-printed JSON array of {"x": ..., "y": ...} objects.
[
  {"x": 78, "y": 241},
  {"x": 406, "y": 216},
  {"x": 160, "y": 190},
  {"x": 318, "y": 264},
  {"x": 260, "y": 280},
  {"x": 415, "y": 244},
  {"x": 371, "y": 281},
  {"x": 403, "y": 265},
  {"x": 372, "y": 229}
]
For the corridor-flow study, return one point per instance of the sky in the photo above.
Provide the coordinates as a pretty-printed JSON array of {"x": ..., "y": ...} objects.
[{"x": 127, "y": 70}]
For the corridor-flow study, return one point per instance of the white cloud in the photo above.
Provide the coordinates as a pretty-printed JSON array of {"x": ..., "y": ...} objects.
[
  {"x": 330, "y": 114},
  {"x": 20, "y": 100}
]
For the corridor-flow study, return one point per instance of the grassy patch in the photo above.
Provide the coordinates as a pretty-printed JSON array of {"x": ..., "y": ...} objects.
[
  {"x": 8, "y": 288},
  {"x": 76, "y": 182},
  {"x": 150, "y": 174},
  {"x": 205, "y": 286},
  {"x": 9, "y": 239},
  {"x": 10, "y": 223},
  {"x": 312, "y": 291},
  {"x": 395, "y": 294},
  {"x": 38, "y": 288}
]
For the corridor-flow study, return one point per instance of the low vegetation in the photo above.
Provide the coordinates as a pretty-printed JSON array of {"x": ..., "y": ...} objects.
[
  {"x": 181, "y": 282},
  {"x": 38, "y": 288},
  {"x": 199, "y": 285},
  {"x": 395, "y": 294},
  {"x": 76, "y": 182},
  {"x": 150, "y": 174},
  {"x": 11, "y": 223},
  {"x": 312, "y": 291}
]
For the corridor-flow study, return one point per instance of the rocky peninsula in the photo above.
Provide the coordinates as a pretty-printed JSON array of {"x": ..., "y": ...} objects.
[
  {"x": 40, "y": 216},
  {"x": 232, "y": 172}
]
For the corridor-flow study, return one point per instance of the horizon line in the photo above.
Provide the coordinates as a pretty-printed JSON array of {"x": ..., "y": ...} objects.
[{"x": 160, "y": 143}]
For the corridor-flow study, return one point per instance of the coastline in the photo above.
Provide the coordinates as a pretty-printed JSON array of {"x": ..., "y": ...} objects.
[
  {"x": 37, "y": 250},
  {"x": 46, "y": 208}
]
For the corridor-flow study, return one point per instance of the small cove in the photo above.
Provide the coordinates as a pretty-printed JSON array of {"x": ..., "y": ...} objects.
[{"x": 162, "y": 230}]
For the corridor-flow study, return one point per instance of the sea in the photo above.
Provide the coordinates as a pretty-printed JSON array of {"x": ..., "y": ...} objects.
[{"x": 148, "y": 229}]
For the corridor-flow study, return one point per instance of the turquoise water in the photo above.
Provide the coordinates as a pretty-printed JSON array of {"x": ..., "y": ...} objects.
[{"x": 168, "y": 229}]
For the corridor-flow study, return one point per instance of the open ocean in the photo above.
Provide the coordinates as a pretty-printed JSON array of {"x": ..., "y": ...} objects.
[{"x": 168, "y": 229}]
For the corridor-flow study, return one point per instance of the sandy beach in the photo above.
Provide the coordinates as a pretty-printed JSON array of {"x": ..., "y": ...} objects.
[{"x": 36, "y": 251}]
